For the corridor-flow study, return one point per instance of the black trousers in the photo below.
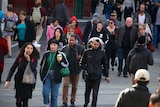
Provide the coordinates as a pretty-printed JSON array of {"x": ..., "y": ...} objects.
[
  {"x": 92, "y": 85},
  {"x": 22, "y": 102}
]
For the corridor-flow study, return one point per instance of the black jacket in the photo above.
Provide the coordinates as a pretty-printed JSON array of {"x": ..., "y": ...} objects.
[
  {"x": 136, "y": 96},
  {"x": 71, "y": 56},
  {"x": 44, "y": 67},
  {"x": 24, "y": 90},
  {"x": 139, "y": 58},
  {"x": 30, "y": 34},
  {"x": 95, "y": 62}
]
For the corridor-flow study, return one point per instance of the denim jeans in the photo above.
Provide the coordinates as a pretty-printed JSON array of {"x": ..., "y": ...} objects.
[
  {"x": 108, "y": 10},
  {"x": 122, "y": 54},
  {"x": 50, "y": 87},
  {"x": 156, "y": 35}
]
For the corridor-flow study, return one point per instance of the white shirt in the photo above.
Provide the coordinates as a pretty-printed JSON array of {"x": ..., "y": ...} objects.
[{"x": 141, "y": 19}]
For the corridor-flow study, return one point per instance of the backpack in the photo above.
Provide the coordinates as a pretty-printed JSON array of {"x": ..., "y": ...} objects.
[{"x": 36, "y": 15}]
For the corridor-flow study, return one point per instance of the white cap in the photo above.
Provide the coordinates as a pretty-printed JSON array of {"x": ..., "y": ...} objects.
[
  {"x": 37, "y": 45},
  {"x": 142, "y": 75}
]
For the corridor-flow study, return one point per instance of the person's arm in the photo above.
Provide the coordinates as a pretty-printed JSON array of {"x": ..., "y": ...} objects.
[{"x": 11, "y": 72}]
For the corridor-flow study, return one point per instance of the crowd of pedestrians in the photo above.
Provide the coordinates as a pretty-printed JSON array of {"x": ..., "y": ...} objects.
[{"x": 93, "y": 51}]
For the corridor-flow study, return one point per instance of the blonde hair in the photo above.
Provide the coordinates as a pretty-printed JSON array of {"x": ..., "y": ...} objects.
[
  {"x": 141, "y": 27},
  {"x": 71, "y": 26}
]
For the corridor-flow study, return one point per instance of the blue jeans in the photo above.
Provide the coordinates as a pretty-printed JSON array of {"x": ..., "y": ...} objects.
[
  {"x": 49, "y": 86},
  {"x": 108, "y": 10},
  {"x": 156, "y": 35},
  {"x": 122, "y": 54}
]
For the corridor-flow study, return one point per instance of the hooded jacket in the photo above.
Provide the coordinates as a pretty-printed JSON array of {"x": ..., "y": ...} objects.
[
  {"x": 139, "y": 58},
  {"x": 77, "y": 29}
]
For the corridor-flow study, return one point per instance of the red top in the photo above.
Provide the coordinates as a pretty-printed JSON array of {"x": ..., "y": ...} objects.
[
  {"x": 77, "y": 29},
  {"x": 3, "y": 48}
]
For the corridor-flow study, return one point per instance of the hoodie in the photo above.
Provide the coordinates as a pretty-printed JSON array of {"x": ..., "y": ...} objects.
[{"x": 77, "y": 29}]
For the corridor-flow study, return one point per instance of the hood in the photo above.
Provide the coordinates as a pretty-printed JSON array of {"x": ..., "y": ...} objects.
[{"x": 73, "y": 18}]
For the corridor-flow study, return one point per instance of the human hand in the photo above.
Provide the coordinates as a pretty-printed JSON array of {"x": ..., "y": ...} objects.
[
  {"x": 6, "y": 85},
  {"x": 26, "y": 56},
  {"x": 107, "y": 79},
  {"x": 78, "y": 57}
]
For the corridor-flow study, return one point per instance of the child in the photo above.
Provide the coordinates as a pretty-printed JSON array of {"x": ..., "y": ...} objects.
[
  {"x": 155, "y": 100},
  {"x": 3, "y": 51}
]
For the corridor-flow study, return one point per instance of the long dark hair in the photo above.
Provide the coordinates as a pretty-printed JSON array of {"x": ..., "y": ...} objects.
[
  {"x": 61, "y": 32},
  {"x": 35, "y": 53},
  {"x": 0, "y": 33}
]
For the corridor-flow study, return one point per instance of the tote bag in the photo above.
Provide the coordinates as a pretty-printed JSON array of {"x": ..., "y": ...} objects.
[{"x": 28, "y": 76}]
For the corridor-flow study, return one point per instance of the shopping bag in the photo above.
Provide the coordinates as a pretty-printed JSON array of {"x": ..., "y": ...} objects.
[
  {"x": 65, "y": 72},
  {"x": 28, "y": 76}
]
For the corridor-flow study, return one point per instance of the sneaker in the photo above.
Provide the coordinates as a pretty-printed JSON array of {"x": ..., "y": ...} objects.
[
  {"x": 47, "y": 105},
  {"x": 64, "y": 104},
  {"x": 85, "y": 105},
  {"x": 72, "y": 104}
]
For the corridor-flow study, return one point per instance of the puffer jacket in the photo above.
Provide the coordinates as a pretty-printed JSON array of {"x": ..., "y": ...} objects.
[
  {"x": 136, "y": 96},
  {"x": 139, "y": 58}
]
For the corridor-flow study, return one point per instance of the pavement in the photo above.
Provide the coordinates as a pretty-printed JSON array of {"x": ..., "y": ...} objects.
[{"x": 108, "y": 92}]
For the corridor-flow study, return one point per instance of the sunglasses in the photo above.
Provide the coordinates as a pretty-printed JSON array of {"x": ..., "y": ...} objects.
[{"x": 110, "y": 22}]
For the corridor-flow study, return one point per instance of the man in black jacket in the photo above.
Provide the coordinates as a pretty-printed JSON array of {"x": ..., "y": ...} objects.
[
  {"x": 139, "y": 57},
  {"x": 92, "y": 61},
  {"x": 138, "y": 95}
]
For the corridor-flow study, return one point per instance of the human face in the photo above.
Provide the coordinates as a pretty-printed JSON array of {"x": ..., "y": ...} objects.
[
  {"x": 99, "y": 27},
  {"x": 74, "y": 22},
  {"x": 71, "y": 31},
  {"x": 57, "y": 33},
  {"x": 142, "y": 8},
  {"x": 55, "y": 23},
  {"x": 157, "y": 104},
  {"x": 22, "y": 17},
  {"x": 110, "y": 23},
  {"x": 142, "y": 32},
  {"x": 95, "y": 44},
  {"x": 71, "y": 41},
  {"x": 129, "y": 22},
  {"x": 29, "y": 49},
  {"x": 53, "y": 47}
]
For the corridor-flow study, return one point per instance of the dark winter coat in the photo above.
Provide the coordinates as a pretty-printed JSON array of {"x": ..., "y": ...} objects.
[
  {"x": 22, "y": 90},
  {"x": 136, "y": 96},
  {"x": 95, "y": 62},
  {"x": 71, "y": 56},
  {"x": 30, "y": 34},
  {"x": 44, "y": 67},
  {"x": 139, "y": 58}
]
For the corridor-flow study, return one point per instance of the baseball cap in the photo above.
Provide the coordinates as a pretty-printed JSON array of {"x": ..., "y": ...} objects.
[
  {"x": 96, "y": 16},
  {"x": 114, "y": 13},
  {"x": 142, "y": 75}
]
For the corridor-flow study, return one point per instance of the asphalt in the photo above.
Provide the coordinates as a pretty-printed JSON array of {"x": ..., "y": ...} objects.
[{"x": 108, "y": 92}]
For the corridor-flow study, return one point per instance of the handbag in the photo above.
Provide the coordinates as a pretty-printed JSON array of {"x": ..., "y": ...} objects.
[
  {"x": 65, "y": 72},
  {"x": 151, "y": 47},
  {"x": 8, "y": 25},
  {"x": 28, "y": 76}
]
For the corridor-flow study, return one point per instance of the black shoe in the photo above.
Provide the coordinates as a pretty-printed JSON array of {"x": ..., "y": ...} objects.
[
  {"x": 125, "y": 76},
  {"x": 64, "y": 104},
  {"x": 112, "y": 68},
  {"x": 72, "y": 104},
  {"x": 119, "y": 73},
  {"x": 85, "y": 105}
]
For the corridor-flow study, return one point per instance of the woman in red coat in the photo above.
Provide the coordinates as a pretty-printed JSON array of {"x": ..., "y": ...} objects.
[
  {"x": 77, "y": 29},
  {"x": 3, "y": 51}
]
